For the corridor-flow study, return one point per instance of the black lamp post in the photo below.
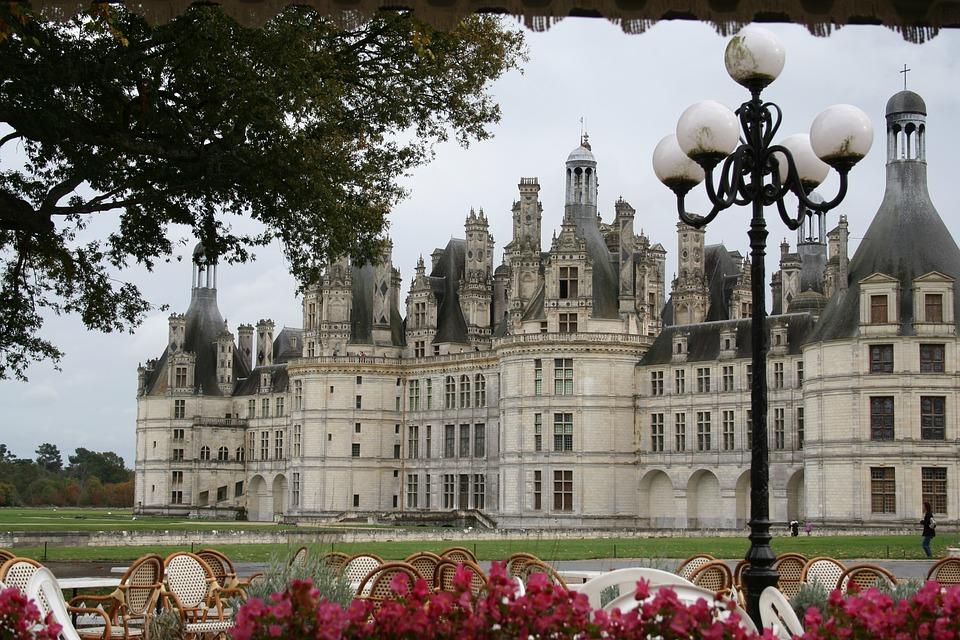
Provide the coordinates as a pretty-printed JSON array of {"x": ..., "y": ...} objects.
[{"x": 758, "y": 173}]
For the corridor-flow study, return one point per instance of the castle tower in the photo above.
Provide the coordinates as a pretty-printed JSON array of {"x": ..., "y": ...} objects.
[
  {"x": 421, "y": 313},
  {"x": 265, "y": 343},
  {"x": 245, "y": 346},
  {"x": 225, "y": 356},
  {"x": 624, "y": 223},
  {"x": 382, "y": 281},
  {"x": 177, "y": 332},
  {"x": 523, "y": 252},
  {"x": 690, "y": 297},
  {"x": 312, "y": 300},
  {"x": 790, "y": 271},
  {"x": 838, "y": 262},
  {"x": 581, "y": 193},
  {"x": 336, "y": 307},
  {"x": 476, "y": 287}
]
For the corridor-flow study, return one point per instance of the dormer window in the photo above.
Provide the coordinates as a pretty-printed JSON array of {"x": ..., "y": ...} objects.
[
  {"x": 933, "y": 307},
  {"x": 932, "y": 302},
  {"x": 568, "y": 282},
  {"x": 878, "y": 309},
  {"x": 680, "y": 347}
]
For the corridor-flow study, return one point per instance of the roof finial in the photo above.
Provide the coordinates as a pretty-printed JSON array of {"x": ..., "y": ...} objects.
[{"x": 904, "y": 72}]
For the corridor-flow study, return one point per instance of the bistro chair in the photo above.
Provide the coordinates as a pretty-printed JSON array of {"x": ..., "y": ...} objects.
[
  {"x": 458, "y": 554},
  {"x": 790, "y": 567},
  {"x": 866, "y": 576},
  {"x": 6, "y": 555},
  {"x": 376, "y": 587},
  {"x": 132, "y": 605},
  {"x": 689, "y": 566},
  {"x": 531, "y": 567},
  {"x": 443, "y": 576},
  {"x": 44, "y": 590},
  {"x": 516, "y": 562},
  {"x": 335, "y": 560},
  {"x": 358, "y": 566},
  {"x": 192, "y": 592},
  {"x": 299, "y": 557},
  {"x": 223, "y": 569},
  {"x": 714, "y": 576},
  {"x": 17, "y": 572},
  {"x": 826, "y": 571},
  {"x": 426, "y": 563},
  {"x": 946, "y": 572},
  {"x": 777, "y": 615}
]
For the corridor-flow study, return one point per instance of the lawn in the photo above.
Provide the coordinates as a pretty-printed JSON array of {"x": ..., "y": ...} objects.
[{"x": 843, "y": 547}]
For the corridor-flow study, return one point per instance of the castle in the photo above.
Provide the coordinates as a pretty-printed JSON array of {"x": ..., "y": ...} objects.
[{"x": 563, "y": 389}]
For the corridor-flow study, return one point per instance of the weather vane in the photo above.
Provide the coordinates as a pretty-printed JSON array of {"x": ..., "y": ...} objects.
[{"x": 904, "y": 72}]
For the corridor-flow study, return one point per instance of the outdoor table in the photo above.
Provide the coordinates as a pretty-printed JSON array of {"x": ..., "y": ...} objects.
[
  {"x": 581, "y": 576},
  {"x": 75, "y": 584}
]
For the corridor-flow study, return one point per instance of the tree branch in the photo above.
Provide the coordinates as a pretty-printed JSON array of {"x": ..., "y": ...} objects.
[{"x": 10, "y": 136}]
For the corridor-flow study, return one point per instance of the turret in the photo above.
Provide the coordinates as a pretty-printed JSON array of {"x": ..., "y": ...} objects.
[
  {"x": 581, "y": 192},
  {"x": 177, "y": 333},
  {"x": 265, "y": 343},
  {"x": 225, "y": 361},
  {"x": 245, "y": 334},
  {"x": 382, "y": 281},
  {"x": 421, "y": 313},
  {"x": 690, "y": 297},
  {"x": 476, "y": 290},
  {"x": 528, "y": 215},
  {"x": 624, "y": 224},
  {"x": 336, "y": 309},
  {"x": 838, "y": 261}
]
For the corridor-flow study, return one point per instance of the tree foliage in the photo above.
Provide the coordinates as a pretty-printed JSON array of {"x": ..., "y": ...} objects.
[
  {"x": 302, "y": 126},
  {"x": 93, "y": 478},
  {"x": 49, "y": 458}
]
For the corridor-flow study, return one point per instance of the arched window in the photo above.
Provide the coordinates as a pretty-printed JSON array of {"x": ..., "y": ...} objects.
[
  {"x": 480, "y": 391},
  {"x": 464, "y": 391},
  {"x": 240, "y": 454},
  {"x": 450, "y": 393},
  {"x": 204, "y": 452},
  {"x": 223, "y": 454}
]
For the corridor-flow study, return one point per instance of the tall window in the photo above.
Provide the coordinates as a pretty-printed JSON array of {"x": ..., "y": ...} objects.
[
  {"x": 311, "y": 315},
  {"x": 727, "y": 426},
  {"x": 176, "y": 497},
  {"x": 703, "y": 380},
  {"x": 413, "y": 441},
  {"x": 223, "y": 454},
  {"x": 427, "y": 442},
  {"x": 479, "y": 491},
  {"x": 568, "y": 323},
  {"x": 204, "y": 452},
  {"x": 449, "y": 441},
  {"x": 180, "y": 378},
  {"x": 420, "y": 314},
  {"x": 279, "y": 407},
  {"x": 563, "y": 490},
  {"x": 563, "y": 376},
  {"x": 883, "y": 490},
  {"x": 931, "y": 358},
  {"x": 680, "y": 431},
  {"x": 656, "y": 383},
  {"x": 278, "y": 445},
  {"x": 464, "y": 391},
  {"x": 178, "y": 455},
  {"x": 878, "y": 309},
  {"x": 178, "y": 434},
  {"x": 799, "y": 373},
  {"x": 426, "y": 491},
  {"x": 464, "y": 441},
  {"x": 480, "y": 390},
  {"x": 296, "y": 489},
  {"x": 479, "y": 441},
  {"x": 429, "y": 382},
  {"x": 934, "y": 488},
  {"x": 656, "y": 432},
  {"x": 779, "y": 428},
  {"x": 800, "y": 428},
  {"x": 538, "y": 377},
  {"x": 296, "y": 440},
  {"x": 264, "y": 445},
  {"x": 727, "y": 378},
  {"x": 537, "y": 490},
  {"x": 450, "y": 393},
  {"x": 412, "y": 490},
  {"x": 881, "y": 418},
  {"x": 253, "y": 445},
  {"x": 933, "y": 418},
  {"x": 298, "y": 394},
  {"x": 419, "y": 348},
  {"x": 177, "y": 477},
  {"x": 413, "y": 395},
  {"x": 449, "y": 488},
  {"x": 311, "y": 348},
  {"x": 355, "y": 450},
  {"x": 679, "y": 381},
  {"x": 933, "y": 307},
  {"x": 179, "y": 409},
  {"x": 881, "y": 358},
  {"x": 778, "y": 375},
  {"x": 265, "y": 408},
  {"x": 563, "y": 432},
  {"x": 241, "y": 454},
  {"x": 749, "y": 425},
  {"x": 703, "y": 431},
  {"x": 538, "y": 432},
  {"x": 568, "y": 282}
]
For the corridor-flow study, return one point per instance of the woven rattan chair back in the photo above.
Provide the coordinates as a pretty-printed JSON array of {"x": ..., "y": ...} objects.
[
  {"x": 426, "y": 563},
  {"x": 141, "y": 584},
  {"x": 17, "y": 572},
  {"x": 358, "y": 566},
  {"x": 458, "y": 554},
  {"x": 188, "y": 578},
  {"x": 516, "y": 562},
  {"x": 299, "y": 557},
  {"x": 443, "y": 576},
  {"x": 738, "y": 574},
  {"x": 946, "y": 572},
  {"x": 222, "y": 571},
  {"x": 715, "y": 576},
  {"x": 690, "y": 566},
  {"x": 335, "y": 560},
  {"x": 6, "y": 555},
  {"x": 790, "y": 567},
  {"x": 826, "y": 571},
  {"x": 377, "y": 587},
  {"x": 866, "y": 576},
  {"x": 531, "y": 567}
]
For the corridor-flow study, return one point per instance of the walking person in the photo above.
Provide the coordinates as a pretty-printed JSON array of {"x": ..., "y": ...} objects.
[{"x": 929, "y": 528}]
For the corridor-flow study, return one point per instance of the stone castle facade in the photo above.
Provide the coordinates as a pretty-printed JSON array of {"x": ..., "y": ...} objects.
[{"x": 563, "y": 389}]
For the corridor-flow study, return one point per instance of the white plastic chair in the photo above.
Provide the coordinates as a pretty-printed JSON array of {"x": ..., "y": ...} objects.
[
  {"x": 594, "y": 587},
  {"x": 686, "y": 593},
  {"x": 44, "y": 590},
  {"x": 777, "y": 614}
]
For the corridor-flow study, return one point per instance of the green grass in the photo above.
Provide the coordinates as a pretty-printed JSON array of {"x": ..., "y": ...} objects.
[{"x": 842, "y": 547}]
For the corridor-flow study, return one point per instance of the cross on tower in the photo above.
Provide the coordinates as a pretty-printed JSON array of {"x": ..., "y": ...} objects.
[{"x": 904, "y": 72}]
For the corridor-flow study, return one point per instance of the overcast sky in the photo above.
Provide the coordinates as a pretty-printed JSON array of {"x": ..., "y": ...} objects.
[{"x": 629, "y": 88}]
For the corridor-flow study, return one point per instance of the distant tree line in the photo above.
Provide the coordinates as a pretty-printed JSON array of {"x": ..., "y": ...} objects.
[{"x": 90, "y": 479}]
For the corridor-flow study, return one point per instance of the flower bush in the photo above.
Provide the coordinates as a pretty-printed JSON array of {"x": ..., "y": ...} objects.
[
  {"x": 547, "y": 611},
  {"x": 20, "y": 619}
]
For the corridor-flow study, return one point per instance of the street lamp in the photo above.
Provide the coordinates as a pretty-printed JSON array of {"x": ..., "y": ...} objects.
[{"x": 760, "y": 173}]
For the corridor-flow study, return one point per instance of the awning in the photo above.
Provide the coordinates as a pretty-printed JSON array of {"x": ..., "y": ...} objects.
[{"x": 917, "y": 20}]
